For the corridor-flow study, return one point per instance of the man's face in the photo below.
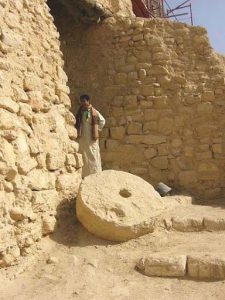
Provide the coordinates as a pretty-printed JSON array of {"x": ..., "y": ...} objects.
[{"x": 84, "y": 103}]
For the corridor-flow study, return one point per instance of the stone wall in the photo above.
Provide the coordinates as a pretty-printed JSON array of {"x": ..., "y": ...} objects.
[
  {"x": 39, "y": 163},
  {"x": 162, "y": 90},
  {"x": 92, "y": 11},
  {"x": 119, "y": 7}
]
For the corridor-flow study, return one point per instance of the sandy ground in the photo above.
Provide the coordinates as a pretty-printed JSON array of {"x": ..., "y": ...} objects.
[{"x": 89, "y": 268}]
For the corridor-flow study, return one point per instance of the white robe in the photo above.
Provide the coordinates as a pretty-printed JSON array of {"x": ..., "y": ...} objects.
[{"x": 88, "y": 147}]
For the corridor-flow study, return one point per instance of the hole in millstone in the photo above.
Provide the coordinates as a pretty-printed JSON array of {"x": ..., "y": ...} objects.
[{"x": 125, "y": 193}]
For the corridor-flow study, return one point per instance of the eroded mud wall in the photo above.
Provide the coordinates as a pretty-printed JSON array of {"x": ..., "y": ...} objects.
[{"x": 39, "y": 164}]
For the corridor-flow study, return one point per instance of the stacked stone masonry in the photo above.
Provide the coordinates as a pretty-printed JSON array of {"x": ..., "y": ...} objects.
[
  {"x": 162, "y": 90},
  {"x": 39, "y": 163}
]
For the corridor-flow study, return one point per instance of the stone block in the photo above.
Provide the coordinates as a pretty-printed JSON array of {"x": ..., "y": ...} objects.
[
  {"x": 158, "y": 70},
  {"x": 142, "y": 74},
  {"x": 71, "y": 160},
  {"x": 112, "y": 145},
  {"x": 35, "y": 146},
  {"x": 26, "y": 111},
  {"x": 117, "y": 112},
  {"x": 208, "y": 96},
  {"x": 8, "y": 120},
  {"x": 205, "y": 108},
  {"x": 166, "y": 126},
  {"x": 208, "y": 171},
  {"x": 206, "y": 266},
  {"x": 26, "y": 164},
  {"x": 32, "y": 83},
  {"x": 45, "y": 201},
  {"x": 151, "y": 115},
  {"x": 160, "y": 162},
  {"x": 118, "y": 101},
  {"x": 17, "y": 214},
  {"x": 117, "y": 133},
  {"x": 188, "y": 224},
  {"x": 146, "y": 104},
  {"x": 176, "y": 142},
  {"x": 203, "y": 155},
  {"x": 150, "y": 152},
  {"x": 134, "y": 128},
  {"x": 130, "y": 101},
  {"x": 65, "y": 99},
  {"x": 37, "y": 102},
  {"x": 55, "y": 160},
  {"x": 163, "y": 265},
  {"x": 68, "y": 184},
  {"x": 121, "y": 78},
  {"x": 41, "y": 180},
  {"x": 48, "y": 224},
  {"x": 217, "y": 148},
  {"x": 214, "y": 223},
  {"x": 132, "y": 76},
  {"x": 72, "y": 132},
  {"x": 147, "y": 90},
  {"x": 160, "y": 102},
  {"x": 79, "y": 160},
  {"x": 138, "y": 37},
  {"x": 20, "y": 95},
  {"x": 149, "y": 127},
  {"x": 7, "y": 238},
  {"x": 12, "y": 39},
  {"x": 163, "y": 149},
  {"x": 218, "y": 91},
  {"x": 8, "y": 104}
]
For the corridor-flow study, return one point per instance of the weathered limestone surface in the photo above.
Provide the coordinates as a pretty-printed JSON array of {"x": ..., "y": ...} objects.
[
  {"x": 92, "y": 11},
  {"x": 119, "y": 7},
  {"x": 163, "y": 265},
  {"x": 206, "y": 266},
  {"x": 196, "y": 266},
  {"x": 37, "y": 144},
  {"x": 117, "y": 206},
  {"x": 162, "y": 90}
]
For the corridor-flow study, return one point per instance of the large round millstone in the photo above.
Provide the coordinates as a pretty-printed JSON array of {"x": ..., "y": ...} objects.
[{"x": 117, "y": 206}]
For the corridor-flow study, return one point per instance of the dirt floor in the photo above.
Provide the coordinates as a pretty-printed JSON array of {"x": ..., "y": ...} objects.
[{"x": 86, "y": 267}]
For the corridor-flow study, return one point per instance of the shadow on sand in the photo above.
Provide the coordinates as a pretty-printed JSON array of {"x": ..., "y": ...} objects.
[{"x": 70, "y": 232}]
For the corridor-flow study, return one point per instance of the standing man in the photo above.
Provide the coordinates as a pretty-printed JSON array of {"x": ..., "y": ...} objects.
[{"x": 88, "y": 124}]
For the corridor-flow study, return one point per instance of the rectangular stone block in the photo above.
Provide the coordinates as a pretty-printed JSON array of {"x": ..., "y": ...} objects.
[
  {"x": 214, "y": 223},
  {"x": 206, "y": 267},
  {"x": 41, "y": 180},
  {"x": 186, "y": 224},
  {"x": 68, "y": 184},
  {"x": 163, "y": 265},
  {"x": 55, "y": 160},
  {"x": 117, "y": 133},
  {"x": 45, "y": 201}
]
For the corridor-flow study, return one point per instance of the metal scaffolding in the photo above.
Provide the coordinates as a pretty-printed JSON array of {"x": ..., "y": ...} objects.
[{"x": 162, "y": 9}]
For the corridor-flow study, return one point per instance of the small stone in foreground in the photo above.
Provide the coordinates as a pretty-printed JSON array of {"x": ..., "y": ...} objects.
[
  {"x": 163, "y": 265},
  {"x": 52, "y": 260}
]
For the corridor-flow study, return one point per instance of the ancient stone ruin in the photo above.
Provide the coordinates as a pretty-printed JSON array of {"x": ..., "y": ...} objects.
[
  {"x": 161, "y": 87},
  {"x": 159, "y": 84},
  {"x": 39, "y": 165}
]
